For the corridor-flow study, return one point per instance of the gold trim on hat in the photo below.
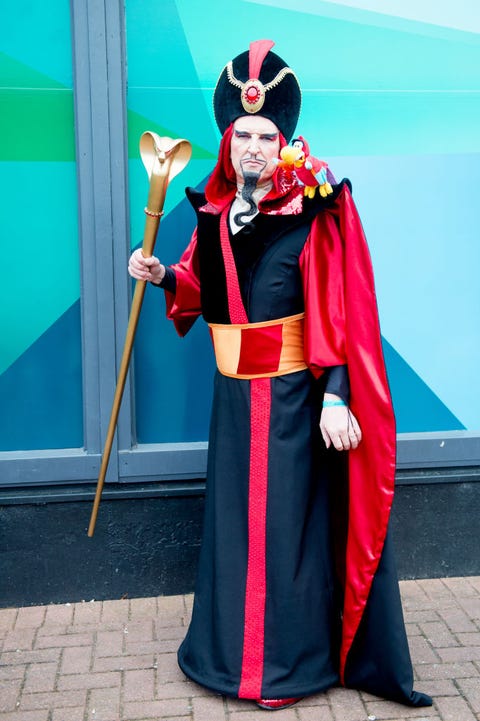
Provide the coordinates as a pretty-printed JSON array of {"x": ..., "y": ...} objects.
[{"x": 252, "y": 104}]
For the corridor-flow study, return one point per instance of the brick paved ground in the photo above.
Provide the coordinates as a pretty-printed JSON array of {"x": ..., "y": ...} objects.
[{"x": 115, "y": 661}]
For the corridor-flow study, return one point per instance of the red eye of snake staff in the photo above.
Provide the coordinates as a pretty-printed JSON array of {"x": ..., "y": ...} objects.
[{"x": 297, "y": 588}]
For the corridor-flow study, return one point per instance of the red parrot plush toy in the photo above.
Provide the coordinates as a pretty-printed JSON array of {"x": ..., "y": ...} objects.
[{"x": 311, "y": 171}]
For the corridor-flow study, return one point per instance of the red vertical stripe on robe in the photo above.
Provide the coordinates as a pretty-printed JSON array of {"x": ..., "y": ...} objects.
[
  {"x": 255, "y": 594},
  {"x": 256, "y": 581}
]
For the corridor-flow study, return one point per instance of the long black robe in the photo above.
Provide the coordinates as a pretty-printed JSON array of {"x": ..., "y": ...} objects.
[{"x": 306, "y": 502}]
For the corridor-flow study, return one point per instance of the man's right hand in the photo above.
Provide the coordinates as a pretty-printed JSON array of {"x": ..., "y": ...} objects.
[{"x": 142, "y": 268}]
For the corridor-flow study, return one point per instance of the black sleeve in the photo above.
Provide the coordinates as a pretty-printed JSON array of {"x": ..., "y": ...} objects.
[
  {"x": 169, "y": 280},
  {"x": 337, "y": 382}
]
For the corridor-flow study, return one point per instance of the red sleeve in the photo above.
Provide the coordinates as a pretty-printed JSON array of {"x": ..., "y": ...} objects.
[
  {"x": 184, "y": 306},
  {"x": 321, "y": 266},
  {"x": 342, "y": 326}
]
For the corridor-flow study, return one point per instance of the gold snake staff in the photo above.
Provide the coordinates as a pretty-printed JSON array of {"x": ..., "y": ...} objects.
[{"x": 163, "y": 158}]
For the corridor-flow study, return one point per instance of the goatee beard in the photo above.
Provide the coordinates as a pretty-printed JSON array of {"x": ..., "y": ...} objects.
[{"x": 250, "y": 180}]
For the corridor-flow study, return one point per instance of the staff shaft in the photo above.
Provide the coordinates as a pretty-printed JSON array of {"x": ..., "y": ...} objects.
[
  {"x": 163, "y": 159},
  {"x": 117, "y": 399}
]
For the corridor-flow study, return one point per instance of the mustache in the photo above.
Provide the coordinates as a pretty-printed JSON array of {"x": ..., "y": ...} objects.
[
  {"x": 250, "y": 183},
  {"x": 249, "y": 158}
]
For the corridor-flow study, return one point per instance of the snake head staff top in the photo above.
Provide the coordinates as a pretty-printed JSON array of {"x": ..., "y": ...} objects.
[{"x": 156, "y": 150}]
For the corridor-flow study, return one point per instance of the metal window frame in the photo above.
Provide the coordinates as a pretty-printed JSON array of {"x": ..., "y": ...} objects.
[{"x": 99, "y": 65}]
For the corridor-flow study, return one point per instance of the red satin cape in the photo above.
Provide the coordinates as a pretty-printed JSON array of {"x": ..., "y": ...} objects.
[{"x": 337, "y": 275}]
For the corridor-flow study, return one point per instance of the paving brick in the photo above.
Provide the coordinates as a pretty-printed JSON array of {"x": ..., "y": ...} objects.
[
  {"x": 420, "y": 718},
  {"x": 76, "y": 659},
  {"x": 321, "y": 713},
  {"x": 172, "y": 611},
  {"x": 438, "y": 687},
  {"x": 438, "y": 634},
  {"x": 319, "y": 699},
  {"x": 53, "y": 630},
  {"x": 139, "y": 631},
  {"x": 36, "y": 715},
  {"x": 10, "y": 693},
  {"x": 113, "y": 611},
  {"x": 8, "y": 617},
  {"x": 210, "y": 709},
  {"x": 40, "y": 677},
  {"x": 159, "y": 709},
  {"x": 19, "y": 638},
  {"x": 30, "y": 617},
  {"x": 55, "y": 699},
  {"x": 421, "y": 651},
  {"x": 460, "y": 653},
  {"x": 419, "y": 615},
  {"x": 144, "y": 647},
  {"x": 172, "y": 604},
  {"x": 471, "y": 606},
  {"x": 168, "y": 668},
  {"x": 87, "y": 613},
  {"x": 470, "y": 688},
  {"x": 446, "y": 670},
  {"x": 139, "y": 685},
  {"x": 143, "y": 608},
  {"x": 123, "y": 662},
  {"x": 457, "y": 620},
  {"x": 454, "y": 709},
  {"x": 104, "y": 704},
  {"x": 412, "y": 590},
  {"x": 288, "y": 714},
  {"x": 435, "y": 588},
  {"x": 237, "y": 704},
  {"x": 475, "y": 582},
  {"x": 24, "y": 656},
  {"x": 469, "y": 639},
  {"x": 181, "y": 689},
  {"x": 65, "y": 640},
  {"x": 461, "y": 587},
  {"x": 167, "y": 633},
  {"x": 109, "y": 643},
  {"x": 166, "y": 620},
  {"x": 413, "y": 629},
  {"x": 188, "y": 602},
  {"x": 59, "y": 613},
  {"x": 8, "y": 673},
  {"x": 390, "y": 710},
  {"x": 68, "y": 714},
  {"x": 346, "y": 704},
  {"x": 89, "y": 680}
]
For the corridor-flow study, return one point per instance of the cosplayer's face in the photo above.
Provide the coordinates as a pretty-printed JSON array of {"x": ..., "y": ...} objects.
[{"x": 255, "y": 144}]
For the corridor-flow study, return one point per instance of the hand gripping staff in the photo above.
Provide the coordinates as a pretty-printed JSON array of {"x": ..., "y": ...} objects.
[{"x": 163, "y": 159}]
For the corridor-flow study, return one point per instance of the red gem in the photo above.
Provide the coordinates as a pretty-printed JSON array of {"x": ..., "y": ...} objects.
[{"x": 252, "y": 93}]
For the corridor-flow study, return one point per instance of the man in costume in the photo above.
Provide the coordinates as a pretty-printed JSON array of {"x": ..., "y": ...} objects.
[{"x": 297, "y": 588}]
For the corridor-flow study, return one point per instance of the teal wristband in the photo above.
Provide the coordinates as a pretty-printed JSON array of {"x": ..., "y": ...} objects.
[{"x": 329, "y": 404}]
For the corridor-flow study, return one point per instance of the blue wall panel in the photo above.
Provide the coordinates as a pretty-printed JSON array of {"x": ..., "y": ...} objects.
[{"x": 391, "y": 101}]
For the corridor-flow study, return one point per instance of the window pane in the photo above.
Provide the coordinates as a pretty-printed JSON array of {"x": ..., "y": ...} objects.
[{"x": 40, "y": 345}]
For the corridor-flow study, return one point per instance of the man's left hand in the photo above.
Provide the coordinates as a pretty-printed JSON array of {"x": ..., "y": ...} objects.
[{"x": 339, "y": 427}]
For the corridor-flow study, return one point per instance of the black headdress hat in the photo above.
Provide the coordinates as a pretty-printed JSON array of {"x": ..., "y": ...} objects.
[{"x": 258, "y": 81}]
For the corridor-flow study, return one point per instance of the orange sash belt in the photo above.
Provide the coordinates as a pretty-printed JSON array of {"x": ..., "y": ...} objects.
[{"x": 259, "y": 350}]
